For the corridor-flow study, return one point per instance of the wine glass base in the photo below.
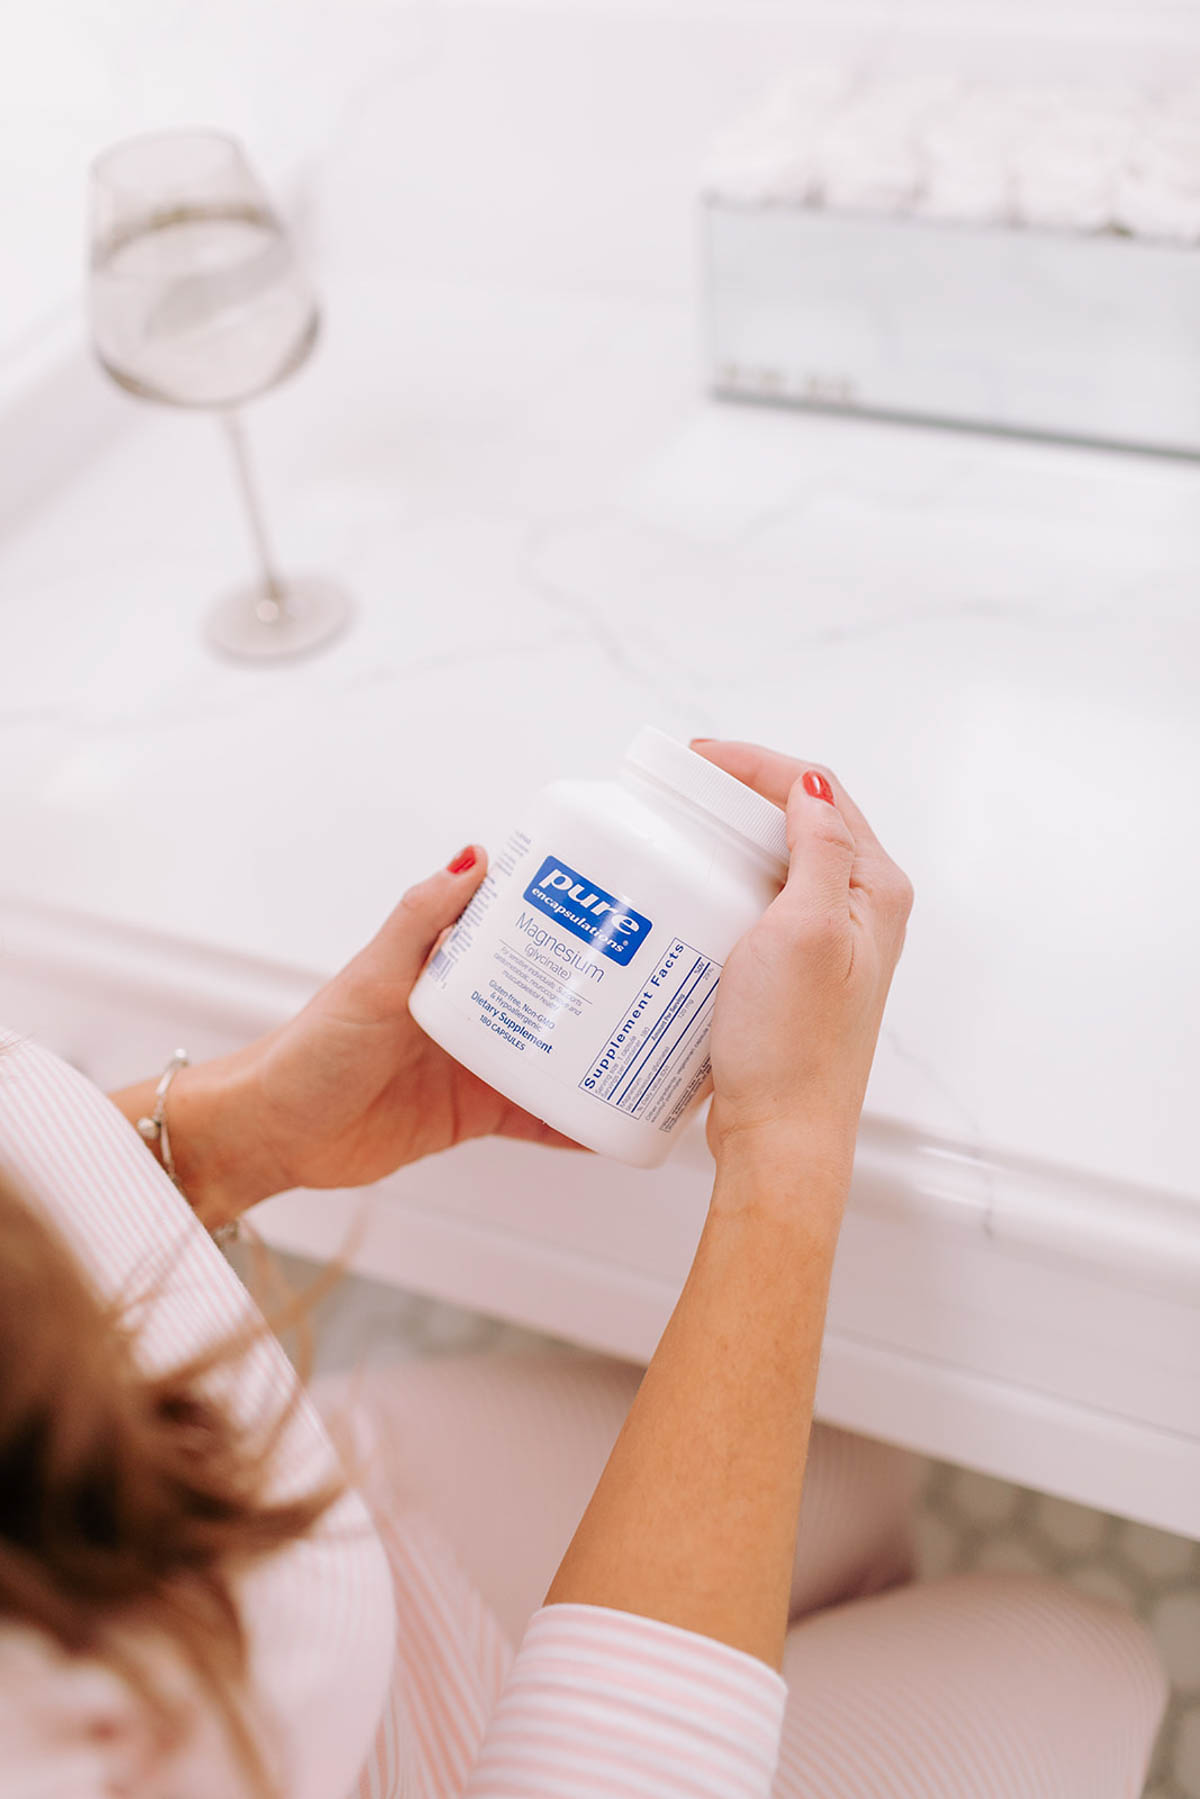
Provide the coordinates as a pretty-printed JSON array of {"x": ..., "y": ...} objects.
[{"x": 251, "y": 626}]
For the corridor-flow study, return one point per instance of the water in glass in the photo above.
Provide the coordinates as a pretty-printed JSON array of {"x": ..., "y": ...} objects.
[{"x": 203, "y": 306}]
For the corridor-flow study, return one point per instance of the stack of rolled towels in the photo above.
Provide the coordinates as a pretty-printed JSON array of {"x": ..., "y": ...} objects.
[{"x": 943, "y": 148}]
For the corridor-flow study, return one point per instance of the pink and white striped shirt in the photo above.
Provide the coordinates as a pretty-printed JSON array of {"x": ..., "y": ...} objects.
[{"x": 378, "y": 1669}]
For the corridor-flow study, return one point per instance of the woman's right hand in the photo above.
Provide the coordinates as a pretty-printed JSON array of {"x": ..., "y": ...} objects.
[{"x": 802, "y": 994}]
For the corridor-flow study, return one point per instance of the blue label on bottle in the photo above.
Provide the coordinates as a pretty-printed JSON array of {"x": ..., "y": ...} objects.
[{"x": 610, "y": 925}]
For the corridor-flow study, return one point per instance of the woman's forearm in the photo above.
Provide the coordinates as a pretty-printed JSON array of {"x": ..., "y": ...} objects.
[
  {"x": 694, "y": 1519},
  {"x": 221, "y": 1160}
]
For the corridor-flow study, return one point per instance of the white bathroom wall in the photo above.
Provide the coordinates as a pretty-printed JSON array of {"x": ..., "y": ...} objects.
[{"x": 74, "y": 74}]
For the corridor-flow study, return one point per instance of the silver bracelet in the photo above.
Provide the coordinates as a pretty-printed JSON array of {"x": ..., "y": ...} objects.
[{"x": 153, "y": 1129}]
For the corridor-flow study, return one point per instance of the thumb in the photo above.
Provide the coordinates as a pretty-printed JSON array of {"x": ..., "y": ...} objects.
[
  {"x": 398, "y": 951},
  {"x": 822, "y": 850}
]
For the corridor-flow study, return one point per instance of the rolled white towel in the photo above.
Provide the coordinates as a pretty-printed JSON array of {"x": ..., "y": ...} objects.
[
  {"x": 868, "y": 155},
  {"x": 965, "y": 149},
  {"x": 1068, "y": 158},
  {"x": 1158, "y": 193},
  {"x": 771, "y": 155},
  {"x": 1067, "y": 166},
  {"x": 1154, "y": 210}
]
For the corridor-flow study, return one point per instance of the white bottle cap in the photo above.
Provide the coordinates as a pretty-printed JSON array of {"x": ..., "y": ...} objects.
[{"x": 709, "y": 788}]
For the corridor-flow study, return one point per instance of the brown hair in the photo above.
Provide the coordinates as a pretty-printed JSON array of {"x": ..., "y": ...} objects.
[{"x": 127, "y": 1500}]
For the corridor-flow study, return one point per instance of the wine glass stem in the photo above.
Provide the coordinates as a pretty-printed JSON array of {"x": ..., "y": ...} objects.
[{"x": 273, "y": 589}]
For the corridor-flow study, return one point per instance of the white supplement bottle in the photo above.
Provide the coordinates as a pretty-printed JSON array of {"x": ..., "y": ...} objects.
[{"x": 580, "y": 980}]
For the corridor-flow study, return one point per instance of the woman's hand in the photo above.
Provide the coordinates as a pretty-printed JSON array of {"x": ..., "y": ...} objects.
[
  {"x": 347, "y": 1091},
  {"x": 802, "y": 995}
]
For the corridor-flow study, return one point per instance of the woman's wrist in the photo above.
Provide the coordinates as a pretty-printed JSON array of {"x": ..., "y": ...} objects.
[
  {"x": 223, "y": 1162},
  {"x": 798, "y": 1176}
]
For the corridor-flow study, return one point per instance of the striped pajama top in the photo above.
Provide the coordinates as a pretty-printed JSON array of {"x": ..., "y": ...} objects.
[{"x": 378, "y": 1671}]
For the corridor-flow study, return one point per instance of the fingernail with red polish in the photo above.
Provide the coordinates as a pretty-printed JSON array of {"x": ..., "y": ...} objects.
[
  {"x": 464, "y": 860},
  {"x": 818, "y": 786}
]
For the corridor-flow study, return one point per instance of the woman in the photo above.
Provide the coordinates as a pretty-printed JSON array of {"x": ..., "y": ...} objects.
[{"x": 189, "y": 1604}]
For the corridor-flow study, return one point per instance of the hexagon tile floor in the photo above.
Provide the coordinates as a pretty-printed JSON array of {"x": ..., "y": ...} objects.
[{"x": 964, "y": 1520}]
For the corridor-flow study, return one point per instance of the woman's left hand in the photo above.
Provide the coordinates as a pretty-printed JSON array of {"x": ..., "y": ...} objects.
[{"x": 349, "y": 1089}]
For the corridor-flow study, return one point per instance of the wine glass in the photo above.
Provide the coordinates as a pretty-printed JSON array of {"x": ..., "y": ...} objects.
[{"x": 197, "y": 299}]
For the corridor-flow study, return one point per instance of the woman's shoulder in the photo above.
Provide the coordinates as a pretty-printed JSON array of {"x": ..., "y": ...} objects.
[
  {"x": 318, "y": 1613},
  {"x": 74, "y": 1158}
]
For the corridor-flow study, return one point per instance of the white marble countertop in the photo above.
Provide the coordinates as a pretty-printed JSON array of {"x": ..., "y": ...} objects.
[{"x": 554, "y": 537}]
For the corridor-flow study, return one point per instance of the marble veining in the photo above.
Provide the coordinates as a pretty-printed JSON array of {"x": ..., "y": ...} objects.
[{"x": 991, "y": 641}]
